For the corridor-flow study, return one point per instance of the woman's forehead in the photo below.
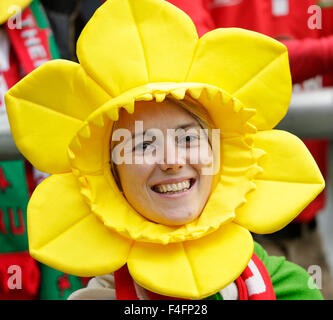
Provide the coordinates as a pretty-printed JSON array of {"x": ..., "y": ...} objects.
[{"x": 166, "y": 114}]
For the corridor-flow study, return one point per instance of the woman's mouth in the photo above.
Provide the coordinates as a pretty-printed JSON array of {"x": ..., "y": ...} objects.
[{"x": 175, "y": 188}]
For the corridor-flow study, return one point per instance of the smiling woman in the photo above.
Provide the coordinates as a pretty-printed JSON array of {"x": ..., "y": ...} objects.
[
  {"x": 161, "y": 222},
  {"x": 171, "y": 190}
]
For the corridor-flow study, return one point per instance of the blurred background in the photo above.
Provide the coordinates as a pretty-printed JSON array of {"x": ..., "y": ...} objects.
[{"x": 32, "y": 32}]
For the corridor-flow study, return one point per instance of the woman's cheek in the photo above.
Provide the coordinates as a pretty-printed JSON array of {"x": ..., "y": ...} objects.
[
  {"x": 201, "y": 156},
  {"x": 134, "y": 177}
]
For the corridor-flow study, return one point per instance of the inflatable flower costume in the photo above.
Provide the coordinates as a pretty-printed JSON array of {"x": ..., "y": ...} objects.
[{"x": 61, "y": 117}]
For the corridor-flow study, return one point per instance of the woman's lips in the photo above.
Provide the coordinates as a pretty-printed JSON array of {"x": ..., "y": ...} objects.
[{"x": 174, "y": 188}]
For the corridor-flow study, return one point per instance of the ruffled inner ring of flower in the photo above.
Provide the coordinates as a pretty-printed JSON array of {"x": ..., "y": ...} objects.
[{"x": 89, "y": 154}]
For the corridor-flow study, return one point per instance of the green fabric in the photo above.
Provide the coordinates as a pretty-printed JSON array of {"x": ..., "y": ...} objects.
[
  {"x": 290, "y": 281},
  {"x": 39, "y": 14},
  {"x": 325, "y": 4},
  {"x": 43, "y": 23},
  {"x": 13, "y": 204},
  {"x": 56, "y": 285},
  {"x": 216, "y": 296},
  {"x": 14, "y": 196}
]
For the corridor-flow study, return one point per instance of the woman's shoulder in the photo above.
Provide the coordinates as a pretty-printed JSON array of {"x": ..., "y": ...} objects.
[
  {"x": 290, "y": 281},
  {"x": 98, "y": 288}
]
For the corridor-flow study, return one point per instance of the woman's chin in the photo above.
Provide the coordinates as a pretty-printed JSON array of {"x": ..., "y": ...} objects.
[{"x": 173, "y": 219}]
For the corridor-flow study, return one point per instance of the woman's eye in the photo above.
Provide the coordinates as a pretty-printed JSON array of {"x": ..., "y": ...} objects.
[
  {"x": 188, "y": 139},
  {"x": 141, "y": 146}
]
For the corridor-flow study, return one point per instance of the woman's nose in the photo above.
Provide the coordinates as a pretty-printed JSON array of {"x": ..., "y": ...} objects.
[
  {"x": 171, "y": 168},
  {"x": 174, "y": 159}
]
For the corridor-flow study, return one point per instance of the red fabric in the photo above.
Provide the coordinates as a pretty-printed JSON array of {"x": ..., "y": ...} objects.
[
  {"x": 264, "y": 289},
  {"x": 310, "y": 50},
  {"x": 198, "y": 12},
  {"x": 125, "y": 289},
  {"x": 31, "y": 183},
  {"x": 124, "y": 285},
  {"x": 30, "y": 42},
  {"x": 242, "y": 290},
  {"x": 8, "y": 77},
  {"x": 294, "y": 24},
  {"x": 4, "y": 184},
  {"x": 2, "y": 223},
  {"x": 12, "y": 75},
  {"x": 20, "y": 229},
  {"x": 327, "y": 31},
  {"x": 310, "y": 57},
  {"x": 28, "y": 275},
  {"x": 248, "y": 14}
]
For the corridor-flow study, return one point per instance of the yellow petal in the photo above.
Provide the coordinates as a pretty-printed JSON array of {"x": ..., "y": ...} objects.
[
  {"x": 128, "y": 43},
  {"x": 65, "y": 235},
  {"x": 192, "y": 269},
  {"x": 289, "y": 182},
  {"x": 9, "y": 8},
  {"x": 252, "y": 67},
  {"x": 47, "y": 107}
]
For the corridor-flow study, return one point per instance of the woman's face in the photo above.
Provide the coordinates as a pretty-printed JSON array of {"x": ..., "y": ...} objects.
[{"x": 167, "y": 187}]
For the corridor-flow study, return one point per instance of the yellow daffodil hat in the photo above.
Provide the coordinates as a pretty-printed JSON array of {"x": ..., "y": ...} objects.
[{"x": 61, "y": 117}]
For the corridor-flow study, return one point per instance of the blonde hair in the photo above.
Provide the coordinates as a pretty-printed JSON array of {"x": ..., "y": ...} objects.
[{"x": 193, "y": 107}]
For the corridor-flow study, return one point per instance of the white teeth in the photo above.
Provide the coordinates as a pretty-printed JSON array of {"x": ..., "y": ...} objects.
[{"x": 180, "y": 186}]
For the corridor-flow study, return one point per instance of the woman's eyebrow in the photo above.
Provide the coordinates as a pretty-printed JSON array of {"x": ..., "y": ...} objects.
[
  {"x": 183, "y": 126},
  {"x": 188, "y": 125}
]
